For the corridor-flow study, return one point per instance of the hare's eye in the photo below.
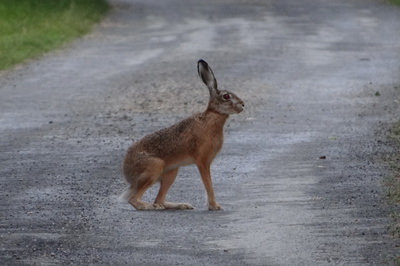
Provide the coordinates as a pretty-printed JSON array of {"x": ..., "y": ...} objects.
[{"x": 226, "y": 96}]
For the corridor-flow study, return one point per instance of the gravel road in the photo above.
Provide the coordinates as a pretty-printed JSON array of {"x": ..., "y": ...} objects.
[{"x": 301, "y": 172}]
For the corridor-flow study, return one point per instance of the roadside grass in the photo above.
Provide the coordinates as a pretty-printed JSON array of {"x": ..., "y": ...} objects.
[
  {"x": 29, "y": 28},
  {"x": 393, "y": 182},
  {"x": 395, "y": 2}
]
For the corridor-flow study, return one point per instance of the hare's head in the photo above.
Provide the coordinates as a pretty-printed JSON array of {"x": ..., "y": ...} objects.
[{"x": 224, "y": 102}]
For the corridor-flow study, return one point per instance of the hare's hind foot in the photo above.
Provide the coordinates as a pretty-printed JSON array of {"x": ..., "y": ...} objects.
[
  {"x": 177, "y": 206},
  {"x": 144, "y": 206}
]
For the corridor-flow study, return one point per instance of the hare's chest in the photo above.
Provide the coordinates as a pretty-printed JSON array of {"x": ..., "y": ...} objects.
[
  {"x": 217, "y": 143},
  {"x": 212, "y": 144}
]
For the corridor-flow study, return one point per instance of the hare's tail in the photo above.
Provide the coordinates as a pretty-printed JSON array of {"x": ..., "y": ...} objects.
[{"x": 127, "y": 194}]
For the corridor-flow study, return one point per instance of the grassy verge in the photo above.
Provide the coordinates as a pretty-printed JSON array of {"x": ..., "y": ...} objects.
[
  {"x": 395, "y": 2},
  {"x": 29, "y": 28},
  {"x": 393, "y": 184}
]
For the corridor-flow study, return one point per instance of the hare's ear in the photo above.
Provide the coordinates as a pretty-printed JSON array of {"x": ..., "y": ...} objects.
[{"x": 207, "y": 76}]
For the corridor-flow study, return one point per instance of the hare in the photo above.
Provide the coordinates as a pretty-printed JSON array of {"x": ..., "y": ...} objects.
[{"x": 194, "y": 140}]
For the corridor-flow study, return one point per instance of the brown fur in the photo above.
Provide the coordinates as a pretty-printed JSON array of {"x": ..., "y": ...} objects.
[{"x": 194, "y": 140}]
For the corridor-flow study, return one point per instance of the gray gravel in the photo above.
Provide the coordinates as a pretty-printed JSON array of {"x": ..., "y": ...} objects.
[{"x": 300, "y": 176}]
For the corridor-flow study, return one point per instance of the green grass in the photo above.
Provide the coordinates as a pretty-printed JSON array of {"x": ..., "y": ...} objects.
[
  {"x": 29, "y": 28},
  {"x": 395, "y": 2},
  {"x": 394, "y": 162},
  {"x": 393, "y": 183}
]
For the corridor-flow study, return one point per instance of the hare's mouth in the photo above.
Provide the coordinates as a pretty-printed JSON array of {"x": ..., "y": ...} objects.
[{"x": 240, "y": 109}]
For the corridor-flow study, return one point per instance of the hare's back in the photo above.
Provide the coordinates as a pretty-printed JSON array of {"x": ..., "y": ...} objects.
[{"x": 176, "y": 139}]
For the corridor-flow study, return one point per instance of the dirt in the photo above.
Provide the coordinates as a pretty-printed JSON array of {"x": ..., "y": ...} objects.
[{"x": 300, "y": 177}]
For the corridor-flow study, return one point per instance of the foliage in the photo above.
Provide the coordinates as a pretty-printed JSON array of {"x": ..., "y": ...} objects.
[
  {"x": 393, "y": 183},
  {"x": 394, "y": 2},
  {"x": 28, "y": 28}
]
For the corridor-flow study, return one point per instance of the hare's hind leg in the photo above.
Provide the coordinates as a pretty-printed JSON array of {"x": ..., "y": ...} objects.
[
  {"x": 165, "y": 183},
  {"x": 144, "y": 181}
]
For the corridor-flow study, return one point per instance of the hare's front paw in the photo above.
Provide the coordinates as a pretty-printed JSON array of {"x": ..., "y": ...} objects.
[{"x": 214, "y": 207}]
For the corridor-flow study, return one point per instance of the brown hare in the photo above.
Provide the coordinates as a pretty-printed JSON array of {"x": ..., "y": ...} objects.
[{"x": 194, "y": 140}]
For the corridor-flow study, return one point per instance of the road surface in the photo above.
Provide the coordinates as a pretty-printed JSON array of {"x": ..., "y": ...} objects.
[{"x": 301, "y": 172}]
